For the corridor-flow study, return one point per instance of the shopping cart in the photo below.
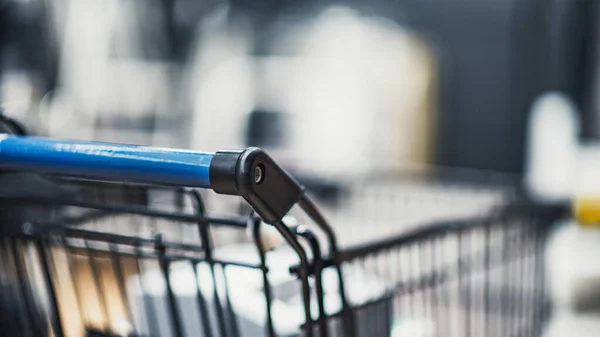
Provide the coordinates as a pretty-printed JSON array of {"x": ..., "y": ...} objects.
[{"x": 115, "y": 240}]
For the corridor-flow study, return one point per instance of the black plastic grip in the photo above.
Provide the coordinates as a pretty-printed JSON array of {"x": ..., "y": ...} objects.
[{"x": 253, "y": 175}]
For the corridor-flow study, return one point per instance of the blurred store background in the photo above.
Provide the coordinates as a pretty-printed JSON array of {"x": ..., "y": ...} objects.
[{"x": 331, "y": 87}]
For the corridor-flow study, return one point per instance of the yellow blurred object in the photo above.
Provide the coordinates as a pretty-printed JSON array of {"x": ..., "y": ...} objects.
[{"x": 587, "y": 211}]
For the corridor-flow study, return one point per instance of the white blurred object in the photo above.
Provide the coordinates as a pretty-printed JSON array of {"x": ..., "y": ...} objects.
[
  {"x": 103, "y": 74},
  {"x": 358, "y": 93},
  {"x": 414, "y": 328},
  {"x": 572, "y": 253},
  {"x": 16, "y": 94},
  {"x": 566, "y": 324},
  {"x": 572, "y": 267},
  {"x": 124, "y": 328},
  {"x": 573, "y": 274},
  {"x": 588, "y": 170},
  {"x": 356, "y": 90},
  {"x": 221, "y": 84},
  {"x": 552, "y": 148},
  {"x": 559, "y": 167}
]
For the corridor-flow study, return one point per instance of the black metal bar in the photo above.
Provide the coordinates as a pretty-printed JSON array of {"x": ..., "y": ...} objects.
[
  {"x": 398, "y": 281},
  {"x": 14, "y": 322},
  {"x": 410, "y": 287},
  {"x": 73, "y": 273},
  {"x": 531, "y": 269},
  {"x": 496, "y": 242},
  {"x": 234, "y": 331},
  {"x": 46, "y": 227},
  {"x": 266, "y": 284},
  {"x": 5, "y": 296},
  {"x": 416, "y": 235},
  {"x": 524, "y": 298},
  {"x": 118, "y": 269},
  {"x": 348, "y": 254},
  {"x": 312, "y": 211},
  {"x": 424, "y": 286},
  {"x": 487, "y": 279},
  {"x": 435, "y": 312},
  {"x": 506, "y": 279},
  {"x": 172, "y": 300},
  {"x": 466, "y": 312},
  {"x": 512, "y": 286},
  {"x": 496, "y": 302},
  {"x": 539, "y": 301},
  {"x": 200, "y": 209},
  {"x": 440, "y": 227},
  {"x": 445, "y": 289},
  {"x": 54, "y": 313},
  {"x": 80, "y": 250},
  {"x": 137, "y": 241},
  {"x": 217, "y": 302},
  {"x": 389, "y": 314},
  {"x": 518, "y": 277},
  {"x": 24, "y": 289},
  {"x": 206, "y": 241},
  {"x": 385, "y": 273},
  {"x": 202, "y": 307},
  {"x": 97, "y": 276},
  {"x": 90, "y": 235},
  {"x": 376, "y": 328},
  {"x": 303, "y": 272},
  {"x": 203, "y": 230},
  {"x": 318, "y": 268},
  {"x": 150, "y": 311},
  {"x": 113, "y": 209}
]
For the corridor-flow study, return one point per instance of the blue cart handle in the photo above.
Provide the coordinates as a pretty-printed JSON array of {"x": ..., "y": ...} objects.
[
  {"x": 106, "y": 161},
  {"x": 251, "y": 173}
]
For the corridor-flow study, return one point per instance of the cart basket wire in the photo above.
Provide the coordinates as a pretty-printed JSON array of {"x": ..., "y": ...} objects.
[{"x": 106, "y": 239}]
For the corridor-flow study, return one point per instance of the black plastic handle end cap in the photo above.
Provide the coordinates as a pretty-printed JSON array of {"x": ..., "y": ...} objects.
[
  {"x": 222, "y": 173},
  {"x": 253, "y": 175}
]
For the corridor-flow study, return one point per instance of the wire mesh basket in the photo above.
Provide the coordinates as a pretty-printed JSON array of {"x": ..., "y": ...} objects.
[{"x": 417, "y": 257}]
